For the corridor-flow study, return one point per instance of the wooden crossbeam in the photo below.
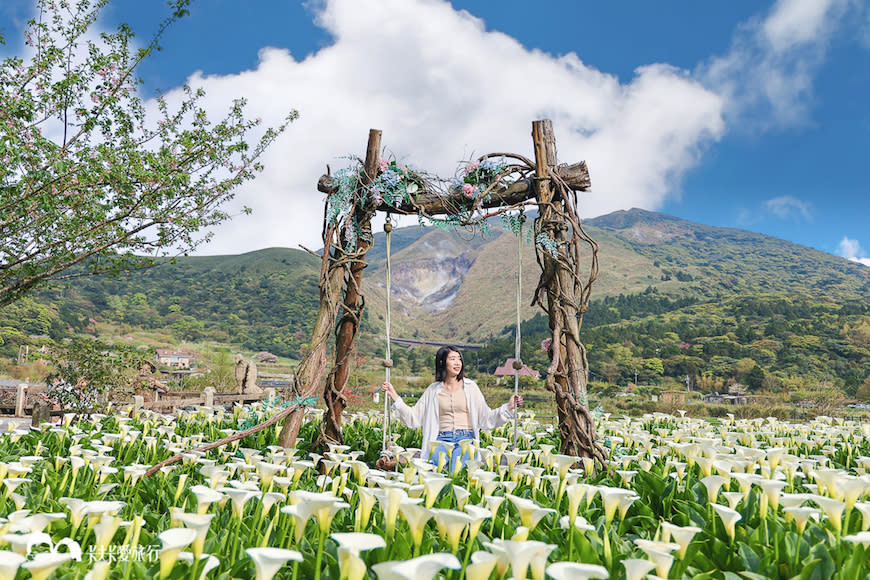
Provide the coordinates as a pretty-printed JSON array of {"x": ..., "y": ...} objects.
[{"x": 576, "y": 176}]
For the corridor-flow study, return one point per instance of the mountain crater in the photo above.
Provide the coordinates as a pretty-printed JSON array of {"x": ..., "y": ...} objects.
[{"x": 430, "y": 283}]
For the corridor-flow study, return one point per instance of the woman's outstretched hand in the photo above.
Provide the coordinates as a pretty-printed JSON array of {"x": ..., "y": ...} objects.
[
  {"x": 389, "y": 389},
  {"x": 515, "y": 401}
]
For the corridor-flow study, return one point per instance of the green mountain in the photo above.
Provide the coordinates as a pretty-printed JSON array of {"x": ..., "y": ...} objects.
[
  {"x": 263, "y": 300},
  {"x": 733, "y": 260},
  {"x": 731, "y": 305},
  {"x": 674, "y": 298}
]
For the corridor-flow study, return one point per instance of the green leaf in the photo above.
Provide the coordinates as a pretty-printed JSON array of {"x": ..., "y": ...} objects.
[
  {"x": 748, "y": 555},
  {"x": 809, "y": 568},
  {"x": 826, "y": 566},
  {"x": 752, "y": 576}
]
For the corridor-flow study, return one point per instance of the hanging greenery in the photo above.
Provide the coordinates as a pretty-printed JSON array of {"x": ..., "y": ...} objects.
[
  {"x": 397, "y": 184},
  {"x": 547, "y": 243}
]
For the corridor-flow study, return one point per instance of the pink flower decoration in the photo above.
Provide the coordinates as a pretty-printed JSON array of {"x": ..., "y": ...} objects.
[
  {"x": 545, "y": 344},
  {"x": 472, "y": 165},
  {"x": 383, "y": 164},
  {"x": 468, "y": 190}
]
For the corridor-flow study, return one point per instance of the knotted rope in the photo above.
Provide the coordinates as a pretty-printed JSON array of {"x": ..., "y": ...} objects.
[
  {"x": 518, "y": 363},
  {"x": 388, "y": 361}
]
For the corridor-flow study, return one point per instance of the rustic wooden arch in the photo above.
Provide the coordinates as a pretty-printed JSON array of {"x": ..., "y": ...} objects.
[{"x": 563, "y": 290}]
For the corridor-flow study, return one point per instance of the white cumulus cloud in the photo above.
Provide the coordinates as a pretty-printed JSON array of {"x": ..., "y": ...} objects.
[
  {"x": 851, "y": 250},
  {"x": 443, "y": 88},
  {"x": 767, "y": 75}
]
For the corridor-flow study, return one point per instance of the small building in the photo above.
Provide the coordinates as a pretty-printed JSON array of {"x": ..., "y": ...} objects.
[
  {"x": 726, "y": 399},
  {"x": 177, "y": 359},
  {"x": 675, "y": 397},
  {"x": 507, "y": 370}
]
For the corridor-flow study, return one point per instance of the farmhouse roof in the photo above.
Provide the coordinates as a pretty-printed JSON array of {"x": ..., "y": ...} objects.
[
  {"x": 170, "y": 352},
  {"x": 507, "y": 369}
]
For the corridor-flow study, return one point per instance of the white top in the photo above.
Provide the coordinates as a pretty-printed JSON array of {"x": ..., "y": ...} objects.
[{"x": 425, "y": 413}]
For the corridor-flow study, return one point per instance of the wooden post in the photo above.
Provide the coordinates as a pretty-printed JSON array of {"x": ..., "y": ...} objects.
[
  {"x": 349, "y": 325},
  {"x": 310, "y": 370},
  {"x": 20, "y": 396},
  {"x": 208, "y": 393},
  {"x": 560, "y": 282},
  {"x": 332, "y": 275}
]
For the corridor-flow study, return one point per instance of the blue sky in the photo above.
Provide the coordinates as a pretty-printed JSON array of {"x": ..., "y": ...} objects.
[{"x": 743, "y": 113}]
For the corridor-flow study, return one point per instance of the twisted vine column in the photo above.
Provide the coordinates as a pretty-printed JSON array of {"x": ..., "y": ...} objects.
[
  {"x": 564, "y": 294},
  {"x": 309, "y": 373},
  {"x": 342, "y": 268},
  {"x": 353, "y": 262}
]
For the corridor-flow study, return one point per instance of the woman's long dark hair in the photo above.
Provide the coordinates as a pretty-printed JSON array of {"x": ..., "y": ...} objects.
[{"x": 441, "y": 363}]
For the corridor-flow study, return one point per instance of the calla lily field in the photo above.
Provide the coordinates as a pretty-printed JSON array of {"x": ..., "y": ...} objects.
[{"x": 680, "y": 498}]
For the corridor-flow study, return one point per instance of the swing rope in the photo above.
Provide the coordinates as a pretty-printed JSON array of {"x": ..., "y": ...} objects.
[
  {"x": 518, "y": 364},
  {"x": 388, "y": 361}
]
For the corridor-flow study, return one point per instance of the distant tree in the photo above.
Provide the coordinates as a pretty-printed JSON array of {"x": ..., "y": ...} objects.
[
  {"x": 682, "y": 365},
  {"x": 86, "y": 370},
  {"x": 609, "y": 370},
  {"x": 221, "y": 370},
  {"x": 863, "y": 392},
  {"x": 743, "y": 367},
  {"x": 755, "y": 378},
  {"x": 771, "y": 383},
  {"x": 527, "y": 383},
  {"x": 188, "y": 328},
  {"x": 652, "y": 370},
  {"x": 485, "y": 380},
  {"x": 85, "y": 178},
  {"x": 721, "y": 366},
  {"x": 857, "y": 333}
]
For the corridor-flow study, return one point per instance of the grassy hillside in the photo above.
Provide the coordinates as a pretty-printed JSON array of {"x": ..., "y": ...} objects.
[
  {"x": 264, "y": 300},
  {"x": 727, "y": 260},
  {"x": 673, "y": 298},
  {"x": 728, "y": 306}
]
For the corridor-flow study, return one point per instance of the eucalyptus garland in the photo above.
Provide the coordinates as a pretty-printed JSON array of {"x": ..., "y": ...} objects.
[{"x": 396, "y": 184}]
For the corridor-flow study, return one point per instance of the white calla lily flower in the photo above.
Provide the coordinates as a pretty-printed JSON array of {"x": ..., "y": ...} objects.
[
  {"x": 420, "y": 568},
  {"x": 268, "y": 561}
]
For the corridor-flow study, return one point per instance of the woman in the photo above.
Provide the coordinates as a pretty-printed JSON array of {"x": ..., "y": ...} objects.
[{"x": 452, "y": 408}]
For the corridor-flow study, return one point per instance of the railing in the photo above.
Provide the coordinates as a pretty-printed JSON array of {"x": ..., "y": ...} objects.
[{"x": 19, "y": 401}]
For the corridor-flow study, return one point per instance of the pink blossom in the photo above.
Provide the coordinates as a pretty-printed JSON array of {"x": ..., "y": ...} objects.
[
  {"x": 383, "y": 164},
  {"x": 545, "y": 344},
  {"x": 468, "y": 190},
  {"x": 472, "y": 165}
]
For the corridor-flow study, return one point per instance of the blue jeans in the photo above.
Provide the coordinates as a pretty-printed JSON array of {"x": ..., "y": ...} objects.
[{"x": 452, "y": 437}]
